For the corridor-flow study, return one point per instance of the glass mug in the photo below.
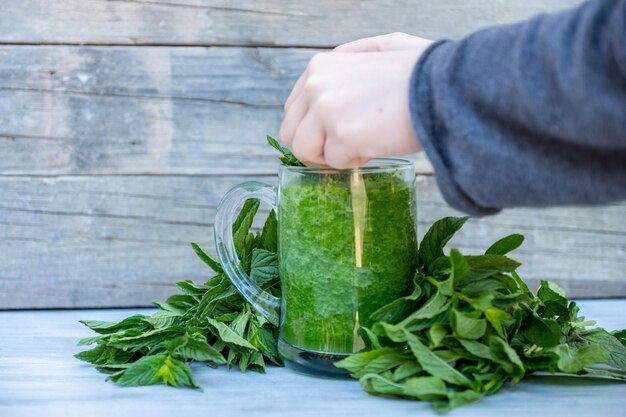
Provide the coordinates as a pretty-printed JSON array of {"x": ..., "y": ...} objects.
[{"x": 347, "y": 245}]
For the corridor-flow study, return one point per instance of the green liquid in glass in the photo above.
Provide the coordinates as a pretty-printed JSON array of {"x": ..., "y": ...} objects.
[{"x": 326, "y": 296}]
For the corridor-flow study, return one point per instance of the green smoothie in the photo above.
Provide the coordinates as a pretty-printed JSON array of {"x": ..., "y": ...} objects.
[{"x": 328, "y": 288}]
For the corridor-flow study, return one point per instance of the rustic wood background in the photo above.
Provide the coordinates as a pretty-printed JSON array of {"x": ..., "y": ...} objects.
[{"x": 123, "y": 122}]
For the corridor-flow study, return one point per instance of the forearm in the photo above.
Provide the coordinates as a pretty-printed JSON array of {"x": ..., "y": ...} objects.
[{"x": 532, "y": 114}]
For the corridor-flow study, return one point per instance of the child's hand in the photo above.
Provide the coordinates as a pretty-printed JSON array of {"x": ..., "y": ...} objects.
[{"x": 349, "y": 107}]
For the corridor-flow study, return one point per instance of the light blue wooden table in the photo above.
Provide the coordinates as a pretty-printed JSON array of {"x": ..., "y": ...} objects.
[{"x": 39, "y": 377}]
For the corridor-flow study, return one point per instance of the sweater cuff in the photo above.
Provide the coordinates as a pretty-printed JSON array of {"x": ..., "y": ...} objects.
[{"x": 425, "y": 123}]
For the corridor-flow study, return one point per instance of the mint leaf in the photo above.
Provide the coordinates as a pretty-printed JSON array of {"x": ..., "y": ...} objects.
[
  {"x": 143, "y": 372},
  {"x": 162, "y": 319},
  {"x": 614, "y": 350},
  {"x": 377, "y": 360},
  {"x": 435, "y": 239},
  {"x": 398, "y": 309},
  {"x": 505, "y": 245},
  {"x": 264, "y": 267},
  {"x": 433, "y": 364},
  {"x": 181, "y": 302},
  {"x": 227, "y": 335},
  {"x": 437, "y": 334},
  {"x": 104, "y": 327},
  {"x": 460, "y": 268},
  {"x": 269, "y": 234},
  {"x": 197, "y": 349},
  {"x": 188, "y": 287},
  {"x": 207, "y": 259},
  {"x": 159, "y": 368},
  {"x": 426, "y": 388},
  {"x": 437, "y": 304},
  {"x": 541, "y": 331},
  {"x": 240, "y": 323},
  {"x": 407, "y": 369},
  {"x": 103, "y": 354},
  {"x": 242, "y": 225},
  {"x": 483, "y": 266},
  {"x": 620, "y": 335},
  {"x": 467, "y": 327},
  {"x": 288, "y": 157},
  {"x": 265, "y": 339},
  {"x": 86, "y": 341},
  {"x": 477, "y": 349},
  {"x": 379, "y": 384},
  {"x": 553, "y": 298},
  {"x": 146, "y": 339},
  {"x": 498, "y": 320},
  {"x": 506, "y": 357},
  {"x": 574, "y": 360}
]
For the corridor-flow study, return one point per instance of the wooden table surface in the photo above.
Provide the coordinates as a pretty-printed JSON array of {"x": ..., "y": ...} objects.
[{"x": 40, "y": 377}]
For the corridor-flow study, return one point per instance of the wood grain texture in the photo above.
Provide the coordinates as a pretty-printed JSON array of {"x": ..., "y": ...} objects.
[
  {"x": 243, "y": 22},
  {"x": 150, "y": 110},
  {"x": 40, "y": 377},
  {"x": 115, "y": 157},
  {"x": 115, "y": 241}
]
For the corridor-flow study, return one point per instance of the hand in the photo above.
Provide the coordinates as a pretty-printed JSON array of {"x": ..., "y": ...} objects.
[{"x": 349, "y": 107}]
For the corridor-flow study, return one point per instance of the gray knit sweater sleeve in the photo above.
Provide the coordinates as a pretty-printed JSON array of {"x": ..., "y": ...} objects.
[{"x": 530, "y": 114}]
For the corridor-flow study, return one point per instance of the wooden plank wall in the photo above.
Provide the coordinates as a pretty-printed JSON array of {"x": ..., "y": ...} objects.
[{"x": 122, "y": 123}]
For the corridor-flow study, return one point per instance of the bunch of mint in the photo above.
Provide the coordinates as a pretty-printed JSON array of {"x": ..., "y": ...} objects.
[
  {"x": 206, "y": 323},
  {"x": 470, "y": 325}
]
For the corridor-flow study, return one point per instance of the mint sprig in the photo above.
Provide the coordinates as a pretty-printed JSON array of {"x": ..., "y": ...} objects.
[
  {"x": 208, "y": 323},
  {"x": 287, "y": 158},
  {"x": 472, "y": 325}
]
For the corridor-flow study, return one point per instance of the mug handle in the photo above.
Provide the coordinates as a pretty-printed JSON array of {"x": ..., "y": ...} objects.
[{"x": 263, "y": 302}]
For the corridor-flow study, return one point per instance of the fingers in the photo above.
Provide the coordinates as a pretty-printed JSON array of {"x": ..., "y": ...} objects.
[
  {"x": 338, "y": 154},
  {"x": 293, "y": 118},
  {"x": 308, "y": 143},
  {"x": 296, "y": 90},
  {"x": 299, "y": 87}
]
